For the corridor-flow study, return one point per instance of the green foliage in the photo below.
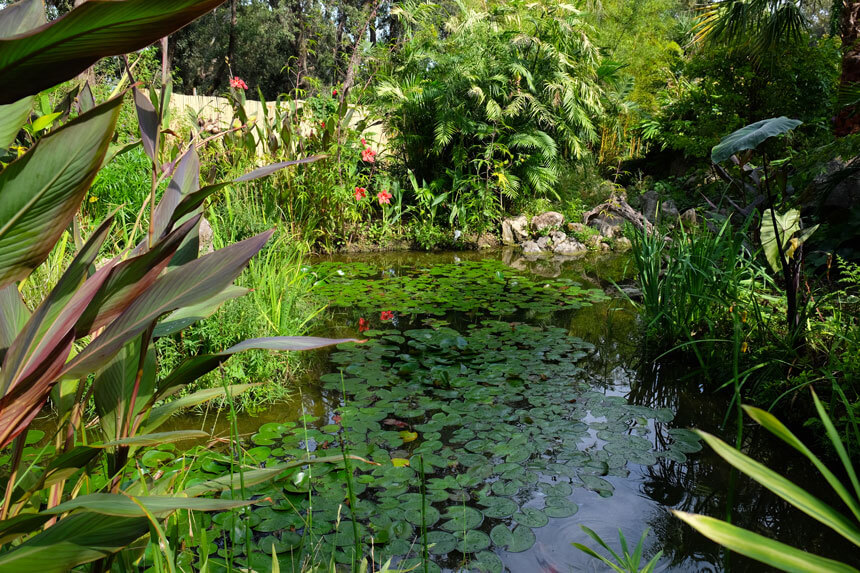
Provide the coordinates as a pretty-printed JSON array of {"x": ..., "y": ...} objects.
[
  {"x": 751, "y": 136},
  {"x": 773, "y": 552},
  {"x": 89, "y": 341},
  {"x": 626, "y": 562},
  {"x": 501, "y": 102},
  {"x": 719, "y": 90}
]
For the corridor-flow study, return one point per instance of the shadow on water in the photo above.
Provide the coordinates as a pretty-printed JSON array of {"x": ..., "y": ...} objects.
[{"x": 615, "y": 368}]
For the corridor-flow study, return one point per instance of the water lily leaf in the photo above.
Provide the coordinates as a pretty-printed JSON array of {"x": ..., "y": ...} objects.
[
  {"x": 559, "y": 507},
  {"x": 461, "y": 518},
  {"x": 473, "y": 541},
  {"x": 599, "y": 485},
  {"x": 531, "y": 517},
  {"x": 399, "y": 462},
  {"x": 498, "y": 507},
  {"x": 441, "y": 542},
  {"x": 488, "y": 562}
]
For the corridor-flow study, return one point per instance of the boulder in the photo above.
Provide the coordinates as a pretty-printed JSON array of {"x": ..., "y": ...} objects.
[
  {"x": 543, "y": 242},
  {"x": 531, "y": 248},
  {"x": 206, "y": 236},
  {"x": 607, "y": 225},
  {"x": 569, "y": 247},
  {"x": 689, "y": 218},
  {"x": 648, "y": 205},
  {"x": 577, "y": 228},
  {"x": 557, "y": 237},
  {"x": 609, "y": 216},
  {"x": 547, "y": 220},
  {"x": 507, "y": 233},
  {"x": 487, "y": 241},
  {"x": 520, "y": 228},
  {"x": 623, "y": 244},
  {"x": 669, "y": 211},
  {"x": 593, "y": 241}
]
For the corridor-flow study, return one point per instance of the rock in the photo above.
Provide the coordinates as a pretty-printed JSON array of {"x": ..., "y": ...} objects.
[
  {"x": 547, "y": 220},
  {"x": 531, "y": 248},
  {"x": 623, "y": 244},
  {"x": 840, "y": 184},
  {"x": 569, "y": 247},
  {"x": 604, "y": 246},
  {"x": 520, "y": 228},
  {"x": 593, "y": 241},
  {"x": 543, "y": 242},
  {"x": 577, "y": 228},
  {"x": 648, "y": 205},
  {"x": 669, "y": 211},
  {"x": 607, "y": 225},
  {"x": 689, "y": 218},
  {"x": 557, "y": 237},
  {"x": 507, "y": 233},
  {"x": 487, "y": 241},
  {"x": 206, "y": 236},
  {"x": 612, "y": 213}
]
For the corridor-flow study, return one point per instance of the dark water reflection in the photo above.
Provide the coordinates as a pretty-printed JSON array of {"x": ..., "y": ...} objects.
[{"x": 644, "y": 498}]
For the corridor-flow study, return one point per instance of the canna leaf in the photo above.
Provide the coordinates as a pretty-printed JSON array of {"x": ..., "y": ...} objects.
[
  {"x": 60, "y": 50},
  {"x": 761, "y": 548},
  {"x": 12, "y": 118},
  {"x": 187, "y": 285},
  {"x": 41, "y": 191},
  {"x": 21, "y": 17},
  {"x": 179, "y": 319}
]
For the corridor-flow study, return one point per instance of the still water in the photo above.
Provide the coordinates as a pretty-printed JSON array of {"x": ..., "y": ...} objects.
[{"x": 610, "y": 374}]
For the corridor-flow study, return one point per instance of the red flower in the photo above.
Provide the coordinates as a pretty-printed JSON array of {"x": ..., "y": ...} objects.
[
  {"x": 237, "y": 83},
  {"x": 362, "y": 325},
  {"x": 336, "y": 419},
  {"x": 386, "y": 315},
  {"x": 384, "y": 197},
  {"x": 322, "y": 123},
  {"x": 334, "y": 92},
  {"x": 368, "y": 155},
  {"x": 363, "y": 142},
  {"x": 360, "y": 193}
]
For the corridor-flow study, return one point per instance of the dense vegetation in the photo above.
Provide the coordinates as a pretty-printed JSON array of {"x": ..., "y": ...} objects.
[{"x": 144, "y": 243}]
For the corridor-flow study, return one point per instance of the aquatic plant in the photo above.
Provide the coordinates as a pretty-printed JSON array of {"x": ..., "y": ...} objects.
[
  {"x": 626, "y": 562},
  {"x": 772, "y": 552},
  {"x": 88, "y": 343}
]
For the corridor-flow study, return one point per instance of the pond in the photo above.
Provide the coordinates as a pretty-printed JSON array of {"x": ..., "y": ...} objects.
[{"x": 500, "y": 403}]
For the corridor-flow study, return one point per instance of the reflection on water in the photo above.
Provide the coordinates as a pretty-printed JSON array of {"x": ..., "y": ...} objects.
[{"x": 643, "y": 498}]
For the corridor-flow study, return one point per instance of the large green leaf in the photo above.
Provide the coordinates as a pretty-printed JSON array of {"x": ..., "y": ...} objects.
[
  {"x": 41, "y": 191},
  {"x": 13, "y": 316},
  {"x": 179, "y": 319},
  {"x": 59, "y": 51},
  {"x": 778, "y": 429},
  {"x": 115, "y": 384},
  {"x": 196, "y": 366},
  {"x": 76, "y": 539},
  {"x": 187, "y": 285},
  {"x": 160, "y": 414},
  {"x": 21, "y": 17},
  {"x": 751, "y": 136},
  {"x": 787, "y": 224},
  {"x": 761, "y": 548},
  {"x": 158, "y": 505},
  {"x": 12, "y": 118},
  {"x": 784, "y": 488}
]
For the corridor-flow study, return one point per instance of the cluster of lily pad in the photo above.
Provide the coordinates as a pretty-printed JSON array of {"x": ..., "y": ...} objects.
[
  {"x": 490, "y": 424},
  {"x": 488, "y": 286}
]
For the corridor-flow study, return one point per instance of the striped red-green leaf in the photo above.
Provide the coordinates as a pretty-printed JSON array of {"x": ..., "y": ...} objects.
[{"x": 59, "y": 51}]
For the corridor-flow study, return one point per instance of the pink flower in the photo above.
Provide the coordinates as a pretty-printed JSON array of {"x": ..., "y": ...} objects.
[
  {"x": 360, "y": 193},
  {"x": 368, "y": 155},
  {"x": 237, "y": 83},
  {"x": 363, "y": 141},
  {"x": 386, "y": 315},
  {"x": 384, "y": 197}
]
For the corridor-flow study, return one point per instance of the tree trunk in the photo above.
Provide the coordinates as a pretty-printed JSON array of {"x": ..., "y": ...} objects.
[
  {"x": 848, "y": 119},
  {"x": 349, "y": 79},
  {"x": 224, "y": 68}
]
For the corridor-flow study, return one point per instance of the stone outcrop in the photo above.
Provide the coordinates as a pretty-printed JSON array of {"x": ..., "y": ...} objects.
[{"x": 548, "y": 220}]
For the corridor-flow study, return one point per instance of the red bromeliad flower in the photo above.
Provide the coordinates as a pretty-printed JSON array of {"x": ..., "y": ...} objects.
[
  {"x": 362, "y": 325},
  {"x": 384, "y": 197},
  {"x": 360, "y": 193},
  {"x": 386, "y": 315},
  {"x": 368, "y": 155},
  {"x": 237, "y": 83}
]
